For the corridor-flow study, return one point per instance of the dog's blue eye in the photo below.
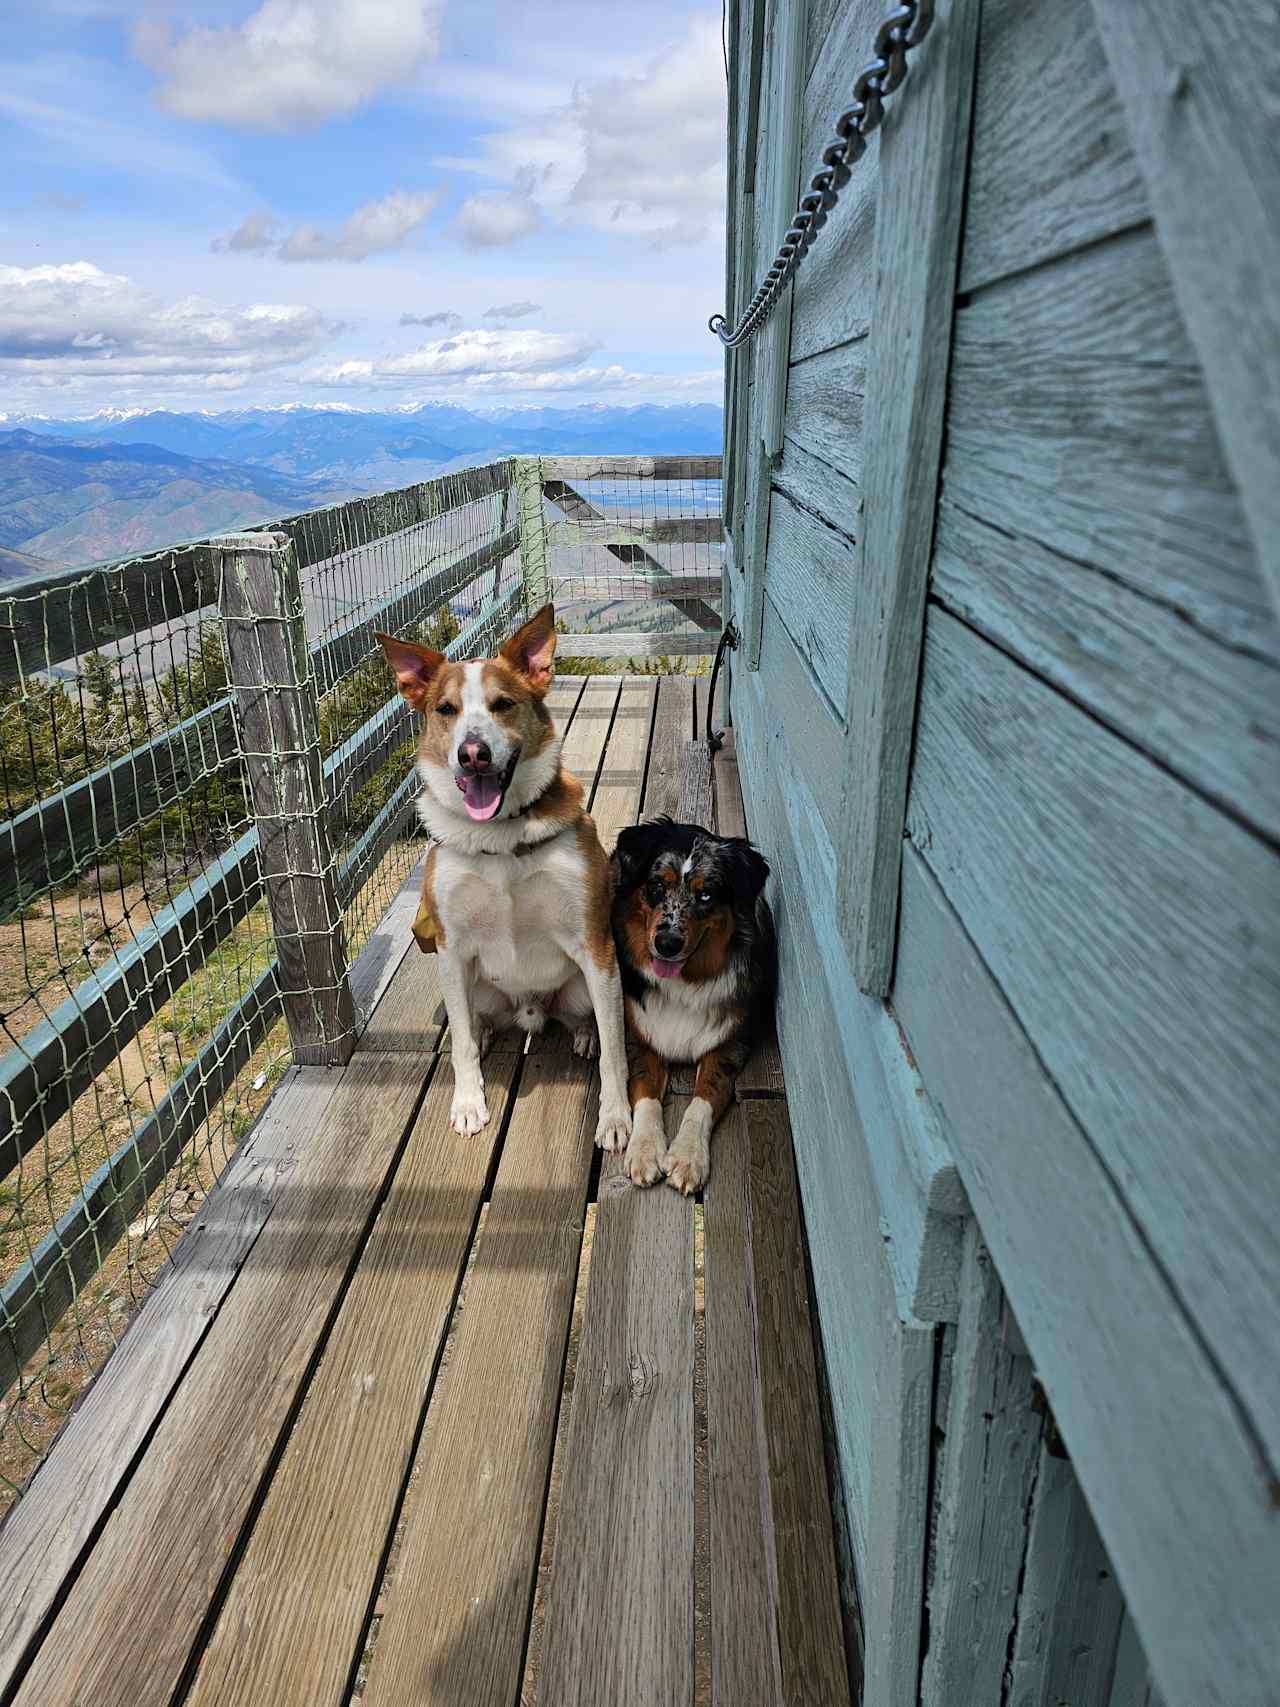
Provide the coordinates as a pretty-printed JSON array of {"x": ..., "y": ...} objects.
[
  {"x": 447, "y": 710},
  {"x": 502, "y": 704}
]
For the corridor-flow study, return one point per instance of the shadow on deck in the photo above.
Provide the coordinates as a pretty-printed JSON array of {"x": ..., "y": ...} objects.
[{"x": 328, "y": 1458}]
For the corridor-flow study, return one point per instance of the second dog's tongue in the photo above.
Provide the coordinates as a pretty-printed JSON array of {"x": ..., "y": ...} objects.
[
  {"x": 482, "y": 795},
  {"x": 665, "y": 968}
]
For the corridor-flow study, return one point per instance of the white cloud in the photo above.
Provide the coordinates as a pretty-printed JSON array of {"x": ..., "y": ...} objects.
[
  {"x": 611, "y": 378},
  {"x": 464, "y": 357},
  {"x": 258, "y": 231},
  {"x": 445, "y": 317},
  {"x": 293, "y": 63},
  {"x": 370, "y": 230},
  {"x": 490, "y": 221},
  {"x": 639, "y": 154},
  {"x": 74, "y": 321},
  {"x": 512, "y": 310}
]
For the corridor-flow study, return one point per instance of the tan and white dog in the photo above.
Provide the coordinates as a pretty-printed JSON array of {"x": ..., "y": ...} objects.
[{"x": 517, "y": 887}]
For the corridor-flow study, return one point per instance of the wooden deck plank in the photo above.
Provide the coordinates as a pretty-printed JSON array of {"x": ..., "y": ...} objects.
[
  {"x": 291, "y": 1624},
  {"x": 123, "y": 1637},
  {"x": 620, "y": 1605},
  {"x": 48, "y": 1529},
  {"x": 745, "y": 1665},
  {"x": 616, "y": 801},
  {"x": 672, "y": 727},
  {"x": 456, "y": 1624},
  {"x": 810, "y": 1636}
]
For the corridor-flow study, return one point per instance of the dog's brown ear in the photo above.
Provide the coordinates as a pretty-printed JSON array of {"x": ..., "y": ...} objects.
[
  {"x": 532, "y": 648},
  {"x": 414, "y": 666}
]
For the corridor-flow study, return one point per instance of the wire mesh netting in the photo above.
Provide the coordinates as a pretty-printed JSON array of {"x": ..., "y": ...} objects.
[
  {"x": 633, "y": 557},
  {"x": 150, "y": 718}
]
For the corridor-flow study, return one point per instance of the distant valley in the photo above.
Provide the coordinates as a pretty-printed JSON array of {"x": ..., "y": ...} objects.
[{"x": 79, "y": 491}]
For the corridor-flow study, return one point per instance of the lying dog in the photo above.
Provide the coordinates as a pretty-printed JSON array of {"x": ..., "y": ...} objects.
[
  {"x": 696, "y": 944},
  {"x": 516, "y": 891}
]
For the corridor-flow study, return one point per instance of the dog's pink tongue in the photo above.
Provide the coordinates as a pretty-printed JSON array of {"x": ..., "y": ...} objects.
[
  {"x": 665, "y": 968},
  {"x": 482, "y": 795}
]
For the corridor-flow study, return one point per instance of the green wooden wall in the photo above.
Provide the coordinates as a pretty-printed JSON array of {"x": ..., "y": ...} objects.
[{"x": 1009, "y": 738}]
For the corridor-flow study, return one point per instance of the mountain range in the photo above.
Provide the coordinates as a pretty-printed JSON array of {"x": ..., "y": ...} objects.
[{"x": 122, "y": 481}]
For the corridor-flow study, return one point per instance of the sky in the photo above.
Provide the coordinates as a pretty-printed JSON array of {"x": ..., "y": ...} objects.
[{"x": 367, "y": 202}]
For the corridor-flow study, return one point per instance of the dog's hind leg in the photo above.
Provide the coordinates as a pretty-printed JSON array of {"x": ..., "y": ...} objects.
[
  {"x": 571, "y": 1005},
  {"x": 605, "y": 987}
]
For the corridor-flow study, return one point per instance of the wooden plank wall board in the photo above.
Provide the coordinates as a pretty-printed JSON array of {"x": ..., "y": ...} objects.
[
  {"x": 924, "y": 146},
  {"x": 880, "y": 1357},
  {"x": 1169, "y": 1470},
  {"x": 920, "y": 1196},
  {"x": 1052, "y": 167},
  {"x": 821, "y": 466},
  {"x": 289, "y": 1628},
  {"x": 1196, "y": 82},
  {"x": 1209, "y": 713},
  {"x": 808, "y": 1614},
  {"x": 1132, "y": 1686},
  {"x": 66, "y": 1504},
  {"x": 835, "y": 286},
  {"x": 457, "y": 1617},
  {"x": 1070, "y": 1607},
  {"x": 989, "y": 1459},
  {"x": 123, "y": 1635},
  {"x": 1078, "y": 416},
  {"x": 811, "y": 575},
  {"x": 1078, "y": 867}
]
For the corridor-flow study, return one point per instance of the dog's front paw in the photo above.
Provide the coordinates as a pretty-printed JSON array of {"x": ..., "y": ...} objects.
[
  {"x": 469, "y": 1112},
  {"x": 586, "y": 1041},
  {"x": 613, "y": 1129},
  {"x": 687, "y": 1163},
  {"x": 644, "y": 1159}
]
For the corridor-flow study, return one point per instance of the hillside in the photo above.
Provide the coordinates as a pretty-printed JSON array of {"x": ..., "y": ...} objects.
[
  {"x": 77, "y": 501},
  {"x": 17, "y": 565}
]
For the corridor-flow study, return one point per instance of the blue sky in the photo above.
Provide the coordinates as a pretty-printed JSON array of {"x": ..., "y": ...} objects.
[{"x": 371, "y": 202}]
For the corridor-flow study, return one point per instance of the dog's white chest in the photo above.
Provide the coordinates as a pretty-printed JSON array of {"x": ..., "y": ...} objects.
[
  {"x": 518, "y": 918},
  {"x": 684, "y": 1022}
]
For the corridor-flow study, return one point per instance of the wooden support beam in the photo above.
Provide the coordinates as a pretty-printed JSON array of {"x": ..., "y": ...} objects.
[
  {"x": 637, "y": 645},
  {"x": 266, "y": 642},
  {"x": 533, "y": 531},
  {"x": 671, "y": 468},
  {"x": 924, "y": 148}
]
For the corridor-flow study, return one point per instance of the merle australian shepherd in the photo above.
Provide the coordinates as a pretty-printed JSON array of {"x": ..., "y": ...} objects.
[{"x": 698, "y": 957}]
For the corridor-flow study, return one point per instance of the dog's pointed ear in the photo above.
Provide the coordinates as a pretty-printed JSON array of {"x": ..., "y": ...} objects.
[
  {"x": 531, "y": 650},
  {"x": 413, "y": 666},
  {"x": 748, "y": 865},
  {"x": 635, "y": 851}
]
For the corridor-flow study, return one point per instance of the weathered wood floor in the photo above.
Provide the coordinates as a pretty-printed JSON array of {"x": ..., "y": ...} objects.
[{"x": 280, "y": 1491}]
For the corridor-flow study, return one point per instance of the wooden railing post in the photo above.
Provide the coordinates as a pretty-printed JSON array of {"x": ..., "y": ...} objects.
[
  {"x": 527, "y": 474},
  {"x": 270, "y": 668}
]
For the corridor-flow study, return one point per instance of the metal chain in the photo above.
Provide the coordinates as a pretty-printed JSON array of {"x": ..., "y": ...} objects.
[{"x": 905, "y": 28}]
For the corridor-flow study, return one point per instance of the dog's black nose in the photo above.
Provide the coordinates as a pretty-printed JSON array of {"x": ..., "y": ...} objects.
[
  {"x": 669, "y": 943},
  {"x": 474, "y": 756}
]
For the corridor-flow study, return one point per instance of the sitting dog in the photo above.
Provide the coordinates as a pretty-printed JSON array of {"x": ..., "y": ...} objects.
[
  {"x": 699, "y": 961},
  {"x": 515, "y": 899}
]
